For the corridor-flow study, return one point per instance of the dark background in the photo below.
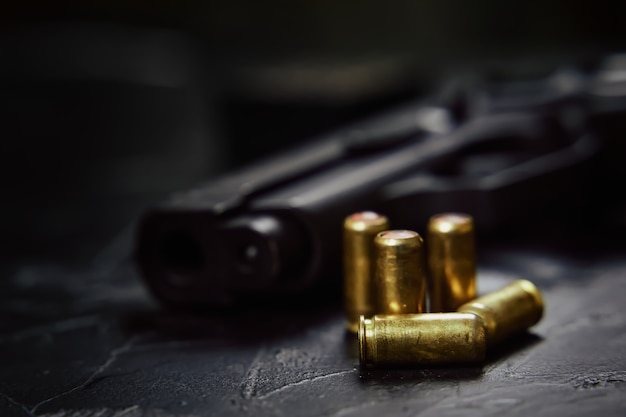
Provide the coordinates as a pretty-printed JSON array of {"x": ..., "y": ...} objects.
[{"x": 107, "y": 107}]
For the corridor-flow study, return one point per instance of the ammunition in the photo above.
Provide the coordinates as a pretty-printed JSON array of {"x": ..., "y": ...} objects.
[
  {"x": 510, "y": 310},
  {"x": 421, "y": 339},
  {"x": 400, "y": 272},
  {"x": 359, "y": 230},
  {"x": 451, "y": 261}
]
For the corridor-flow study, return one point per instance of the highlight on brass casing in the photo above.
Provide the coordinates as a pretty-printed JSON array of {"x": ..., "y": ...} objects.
[
  {"x": 451, "y": 261},
  {"x": 507, "y": 311},
  {"x": 421, "y": 339},
  {"x": 359, "y": 230},
  {"x": 400, "y": 272}
]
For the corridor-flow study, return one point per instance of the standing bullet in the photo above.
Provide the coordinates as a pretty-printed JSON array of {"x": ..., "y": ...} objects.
[
  {"x": 400, "y": 272},
  {"x": 507, "y": 311},
  {"x": 451, "y": 261},
  {"x": 359, "y": 230}
]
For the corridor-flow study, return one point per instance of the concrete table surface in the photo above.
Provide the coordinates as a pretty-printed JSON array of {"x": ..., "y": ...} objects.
[{"x": 85, "y": 339}]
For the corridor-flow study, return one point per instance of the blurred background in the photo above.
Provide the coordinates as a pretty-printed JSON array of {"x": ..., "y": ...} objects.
[{"x": 107, "y": 107}]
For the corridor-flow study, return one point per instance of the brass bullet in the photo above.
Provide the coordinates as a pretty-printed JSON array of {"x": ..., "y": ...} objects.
[
  {"x": 400, "y": 272},
  {"x": 451, "y": 261},
  {"x": 415, "y": 339},
  {"x": 507, "y": 311},
  {"x": 359, "y": 230}
]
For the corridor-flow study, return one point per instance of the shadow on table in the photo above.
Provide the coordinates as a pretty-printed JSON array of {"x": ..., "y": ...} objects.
[{"x": 512, "y": 346}]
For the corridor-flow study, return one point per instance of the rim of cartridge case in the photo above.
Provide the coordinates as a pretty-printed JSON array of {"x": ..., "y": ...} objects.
[{"x": 363, "y": 354}]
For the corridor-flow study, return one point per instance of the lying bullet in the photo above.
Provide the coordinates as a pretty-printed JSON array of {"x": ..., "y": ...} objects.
[
  {"x": 421, "y": 339},
  {"x": 451, "y": 261},
  {"x": 359, "y": 230},
  {"x": 507, "y": 311},
  {"x": 400, "y": 272}
]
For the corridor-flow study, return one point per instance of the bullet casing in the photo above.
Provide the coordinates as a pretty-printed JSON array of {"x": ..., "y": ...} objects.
[
  {"x": 400, "y": 272},
  {"x": 421, "y": 339},
  {"x": 359, "y": 264},
  {"x": 451, "y": 261},
  {"x": 507, "y": 311}
]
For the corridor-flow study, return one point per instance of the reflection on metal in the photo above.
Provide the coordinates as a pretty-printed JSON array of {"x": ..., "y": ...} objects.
[
  {"x": 400, "y": 272},
  {"x": 451, "y": 261},
  {"x": 508, "y": 311},
  {"x": 359, "y": 230},
  {"x": 421, "y": 339}
]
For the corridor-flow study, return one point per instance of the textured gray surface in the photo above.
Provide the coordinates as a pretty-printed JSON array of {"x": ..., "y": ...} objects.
[{"x": 86, "y": 340}]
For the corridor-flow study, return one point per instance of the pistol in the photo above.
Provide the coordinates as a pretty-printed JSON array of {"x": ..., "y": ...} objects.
[{"x": 494, "y": 149}]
